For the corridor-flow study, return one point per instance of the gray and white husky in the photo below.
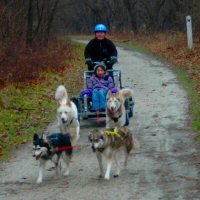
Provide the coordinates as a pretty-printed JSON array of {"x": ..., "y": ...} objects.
[
  {"x": 108, "y": 142},
  {"x": 115, "y": 109},
  {"x": 67, "y": 114},
  {"x": 47, "y": 148}
]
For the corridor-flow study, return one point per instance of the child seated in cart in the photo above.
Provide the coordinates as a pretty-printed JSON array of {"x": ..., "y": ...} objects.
[{"x": 99, "y": 84}]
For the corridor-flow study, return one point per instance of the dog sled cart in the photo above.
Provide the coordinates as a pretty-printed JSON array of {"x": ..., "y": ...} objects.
[{"x": 84, "y": 103}]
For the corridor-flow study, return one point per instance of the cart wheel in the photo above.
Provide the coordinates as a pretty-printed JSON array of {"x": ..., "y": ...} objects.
[
  {"x": 127, "y": 119},
  {"x": 131, "y": 106},
  {"x": 79, "y": 118},
  {"x": 130, "y": 114},
  {"x": 126, "y": 104},
  {"x": 76, "y": 102}
]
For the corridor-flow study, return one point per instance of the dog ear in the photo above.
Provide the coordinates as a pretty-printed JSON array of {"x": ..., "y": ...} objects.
[
  {"x": 90, "y": 137},
  {"x": 44, "y": 137},
  {"x": 69, "y": 103},
  {"x": 117, "y": 94},
  {"x": 108, "y": 94},
  {"x": 35, "y": 137},
  {"x": 63, "y": 101},
  {"x": 102, "y": 135}
]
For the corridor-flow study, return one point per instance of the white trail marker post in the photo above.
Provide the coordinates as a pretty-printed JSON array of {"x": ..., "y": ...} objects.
[{"x": 189, "y": 32}]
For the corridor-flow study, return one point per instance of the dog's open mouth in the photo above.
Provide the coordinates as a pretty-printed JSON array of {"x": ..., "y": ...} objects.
[
  {"x": 112, "y": 109},
  {"x": 38, "y": 156},
  {"x": 64, "y": 121}
]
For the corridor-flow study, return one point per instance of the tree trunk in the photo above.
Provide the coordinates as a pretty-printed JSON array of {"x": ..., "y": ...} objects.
[
  {"x": 130, "y": 5},
  {"x": 29, "y": 35},
  {"x": 50, "y": 19}
]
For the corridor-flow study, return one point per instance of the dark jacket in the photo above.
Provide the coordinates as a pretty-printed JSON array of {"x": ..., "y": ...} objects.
[{"x": 100, "y": 50}]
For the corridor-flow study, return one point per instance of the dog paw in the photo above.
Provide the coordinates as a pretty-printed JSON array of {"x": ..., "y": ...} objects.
[
  {"x": 39, "y": 181},
  {"x": 77, "y": 137},
  {"x": 66, "y": 173},
  {"x": 107, "y": 177},
  {"x": 116, "y": 175},
  {"x": 100, "y": 176}
]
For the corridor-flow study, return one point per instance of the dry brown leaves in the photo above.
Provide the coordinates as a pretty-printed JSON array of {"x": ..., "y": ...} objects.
[
  {"x": 173, "y": 47},
  {"x": 24, "y": 64}
]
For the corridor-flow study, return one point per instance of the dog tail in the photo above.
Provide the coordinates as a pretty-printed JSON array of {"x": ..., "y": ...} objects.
[
  {"x": 126, "y": 93},
  {"x": 61, "y": 95}
]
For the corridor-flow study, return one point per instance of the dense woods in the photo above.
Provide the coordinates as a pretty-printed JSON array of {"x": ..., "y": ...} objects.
[
  {"x": 29, "y": 20},
  {"x": 29, "y": 29},
  {"x": 131, "y": 15}
]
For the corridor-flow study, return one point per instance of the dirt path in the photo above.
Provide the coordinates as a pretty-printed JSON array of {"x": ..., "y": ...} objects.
[{"x": 166, "y": 167}]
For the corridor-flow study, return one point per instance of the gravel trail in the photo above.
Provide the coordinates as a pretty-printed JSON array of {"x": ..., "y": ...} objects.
[{"x": 166, "y": 167}]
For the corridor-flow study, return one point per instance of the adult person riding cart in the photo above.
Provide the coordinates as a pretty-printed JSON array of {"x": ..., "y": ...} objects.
[{"x": 100, "y": 49}]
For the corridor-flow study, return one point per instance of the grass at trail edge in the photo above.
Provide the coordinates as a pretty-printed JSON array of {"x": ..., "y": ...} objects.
[{"x": 28, "y": 108}]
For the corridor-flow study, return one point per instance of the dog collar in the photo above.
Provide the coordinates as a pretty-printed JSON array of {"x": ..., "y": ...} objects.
[
  {"x": 115, "y": 119},
  {"x": 73, "y": 120}
]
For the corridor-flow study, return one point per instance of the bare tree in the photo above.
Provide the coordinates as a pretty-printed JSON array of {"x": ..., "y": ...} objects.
[
  {"x": 41, "y": 14},
  {"x": 39, "y": 20},
  {"x": 29, "y": 37},
  {"x": 131, "y": 7}
]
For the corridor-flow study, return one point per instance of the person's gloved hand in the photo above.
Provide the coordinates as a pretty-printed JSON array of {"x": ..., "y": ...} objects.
[
  {"x": 88, "y": 61},
  {"x": 87, "y": 92},
  {"x": 114, "y": 90},
  {"x": 113, "y": 60}
]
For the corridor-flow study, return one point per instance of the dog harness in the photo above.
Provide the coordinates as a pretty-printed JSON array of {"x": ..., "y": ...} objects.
[
  {"x": 72, "y": 121},
  {"x": 59, "y": 140},
  {"x": 114, "y": 132}
]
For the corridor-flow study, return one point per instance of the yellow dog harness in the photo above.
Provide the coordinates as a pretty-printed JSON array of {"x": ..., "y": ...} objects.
[{"x": 114, "y": 132}]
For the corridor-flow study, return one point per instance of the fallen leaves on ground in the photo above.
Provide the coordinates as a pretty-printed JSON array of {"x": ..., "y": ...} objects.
[{"x": 173, "y": 47}]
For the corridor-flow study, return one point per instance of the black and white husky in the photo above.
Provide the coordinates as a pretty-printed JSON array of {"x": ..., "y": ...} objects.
[
  {"x": 67, "y": 114},
  {"x": 47, "y": 148}
]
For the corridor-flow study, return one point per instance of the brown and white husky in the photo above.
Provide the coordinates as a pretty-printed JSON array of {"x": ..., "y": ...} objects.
[{"x": 115, "y": 109}]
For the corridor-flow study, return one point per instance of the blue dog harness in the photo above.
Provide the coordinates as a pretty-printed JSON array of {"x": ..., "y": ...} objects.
[{"x": 60, "y": 140}]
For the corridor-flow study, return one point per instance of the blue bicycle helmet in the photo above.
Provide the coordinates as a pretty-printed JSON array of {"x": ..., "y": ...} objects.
[{"x": 100, "y": 28}]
